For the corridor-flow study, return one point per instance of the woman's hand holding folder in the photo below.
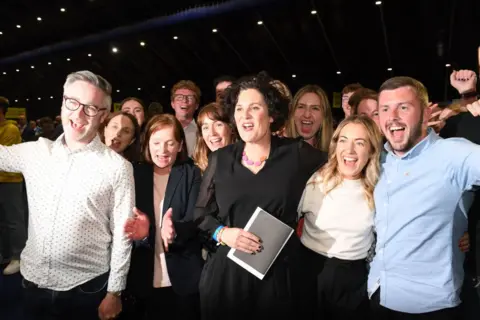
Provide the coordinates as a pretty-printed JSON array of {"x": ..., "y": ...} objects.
[{"x": 241, "y": 240}]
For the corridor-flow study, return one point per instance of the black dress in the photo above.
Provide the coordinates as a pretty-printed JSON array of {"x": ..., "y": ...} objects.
[{"x": 229, "y": 195}]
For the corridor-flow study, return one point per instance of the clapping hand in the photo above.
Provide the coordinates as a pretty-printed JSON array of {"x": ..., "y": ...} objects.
[
  {"x": 168, "y": 229},
  {"x": 137, "y": 228}
]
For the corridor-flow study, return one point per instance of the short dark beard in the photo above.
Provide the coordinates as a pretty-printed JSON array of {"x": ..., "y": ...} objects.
[{"x": 414, "y": 137}]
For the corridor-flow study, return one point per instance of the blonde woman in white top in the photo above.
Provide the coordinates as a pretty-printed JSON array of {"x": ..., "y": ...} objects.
[{"x": 338, "y": 231}]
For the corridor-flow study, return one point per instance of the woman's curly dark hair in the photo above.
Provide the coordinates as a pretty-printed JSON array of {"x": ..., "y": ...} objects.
[{"x": 277, "y": 104}]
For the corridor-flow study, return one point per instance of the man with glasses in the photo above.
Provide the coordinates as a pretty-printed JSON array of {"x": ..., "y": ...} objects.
[
  {"x": 80, "y": 195},
  {"x": 185, "y": 98}
]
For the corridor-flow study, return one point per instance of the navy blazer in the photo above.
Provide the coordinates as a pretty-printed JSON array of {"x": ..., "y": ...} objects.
[{"x": 184, "y": 258}]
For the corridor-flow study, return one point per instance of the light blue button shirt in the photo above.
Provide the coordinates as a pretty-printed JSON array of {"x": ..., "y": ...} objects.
[{"x": 421, "y": 213}]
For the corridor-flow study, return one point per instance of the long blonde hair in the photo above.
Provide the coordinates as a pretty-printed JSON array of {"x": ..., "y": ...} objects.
[
  {"x": 324, "y": 134},
  {"x": 216, "y": 113},
  {"x": 330, "y": 177}
]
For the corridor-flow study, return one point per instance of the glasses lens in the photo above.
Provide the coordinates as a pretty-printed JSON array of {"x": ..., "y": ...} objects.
[
  {"x": 71, "y": 104},
  {"x": 90, "y": 110}
]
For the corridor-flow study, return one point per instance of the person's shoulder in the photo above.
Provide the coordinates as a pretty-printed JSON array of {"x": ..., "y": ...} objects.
[
  {"x": 190, "y": 167},
  {"x": 454, "y": 148},
  {"x": 226, "y": 152},
  {"x": 454, "y": 143},
  {"x": 115, "y": 160},
  {"x": 11, "y": 128}
]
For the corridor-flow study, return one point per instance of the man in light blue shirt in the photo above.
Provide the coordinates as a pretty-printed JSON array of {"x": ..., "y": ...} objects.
[{"x": 421, "y": 202}]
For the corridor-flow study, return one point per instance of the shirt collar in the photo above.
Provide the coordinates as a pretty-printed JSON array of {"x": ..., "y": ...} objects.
[
  {"x": 418, "y": 148},
  {"x": 60, "y": 145},
  {"x": 192, "y": 124}
]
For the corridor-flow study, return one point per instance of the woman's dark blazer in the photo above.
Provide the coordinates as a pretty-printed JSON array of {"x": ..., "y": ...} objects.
[{"x": 184, "y": 257}]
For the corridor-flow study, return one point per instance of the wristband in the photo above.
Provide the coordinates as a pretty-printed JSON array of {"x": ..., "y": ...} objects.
[
  {"x": 215, "y": 234},
  {"x": 219, "y": 236},
  {"x": 469, "y": 94}
]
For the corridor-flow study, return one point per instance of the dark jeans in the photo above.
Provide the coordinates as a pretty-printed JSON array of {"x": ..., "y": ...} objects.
[
  {"x": 79, "y": 303},
  {"x": 13, "y": 231},
  {"x": 379, "y": 312}
]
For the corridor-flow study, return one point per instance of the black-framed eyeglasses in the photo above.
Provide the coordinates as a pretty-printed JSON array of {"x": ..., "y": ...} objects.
[
  {"x": 182, "y": 97},
  {"x": 73, "y": 105}
]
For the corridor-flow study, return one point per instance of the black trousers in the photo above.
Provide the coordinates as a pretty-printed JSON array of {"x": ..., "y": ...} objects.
[
  {"x": 161, "y": 303},
  {"x": 79, "y": 303},
  {"x": 13, "y": 231},
  {"x": 329, "y": 288},
  {"x": 342, "y": 289},
  {"x": 379, "y": 312}
]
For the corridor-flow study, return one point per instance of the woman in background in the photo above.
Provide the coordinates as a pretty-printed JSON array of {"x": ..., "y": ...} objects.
[
  {"x": 120, "y": 132},
  {"x": 311, "y": 117},
  {"x": 214, "y": 132}
]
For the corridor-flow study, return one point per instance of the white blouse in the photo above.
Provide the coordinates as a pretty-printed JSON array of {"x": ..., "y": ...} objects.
[
  {"x": 160, "y": 271},
  {"x": 339, "y": 224}
]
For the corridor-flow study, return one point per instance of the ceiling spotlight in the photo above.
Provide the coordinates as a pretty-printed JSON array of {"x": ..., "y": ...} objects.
[
  {"x": 214, "y": 30},
  {"x": 313, "y": 12},
  {"x": 163, "y": 87},
  {"x": 389, "y": 69},
  {"x": 448, "y": 65},
  {"x": 89, "y": 54},
  {"x": 378, "y": 3},
  {"x": 19, "y": 26},
  {"x": 39, "y": 98},
  {"x": 260, "y": 23},
  {"x": 62, "y": 9},
  {"x": 33, "y": 67},
  {"x": 114, "y": 50},
  {"x": 338, "y": 72},
  {"x": 49, "y": 63},
  {"x": 175, "y": 38},
  {"x": 18, "y": 70},
  {"x": 39, "y": 19},
  {"x": 27, "y": 99},
  {"x": 294, "y": 75},
  {"x": 68, "y": 59},
  {"x": 4, "y": 73},
  {"x": 1, "y": 33},
  {"x": 118, "y": 90},
  {"x": 142, "y": 44},
  {"x": 139, "y": 89},
  {"x": 16, "y": 100},
  {"x": 51, "y": 97}
]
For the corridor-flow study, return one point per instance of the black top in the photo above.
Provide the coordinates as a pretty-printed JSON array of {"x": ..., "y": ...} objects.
[
  {"x": 230, "y": 193},
  {"x": 184, "y": 259}
]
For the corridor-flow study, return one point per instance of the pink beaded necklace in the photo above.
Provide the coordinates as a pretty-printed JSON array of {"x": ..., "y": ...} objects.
[{"x": 251, "y": 162}]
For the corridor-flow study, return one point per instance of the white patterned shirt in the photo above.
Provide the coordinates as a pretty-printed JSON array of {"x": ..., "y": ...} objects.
[{"x": 78, "y": 203}]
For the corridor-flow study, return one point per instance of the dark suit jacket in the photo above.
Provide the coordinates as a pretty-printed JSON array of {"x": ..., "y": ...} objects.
[{"x": 184, "y": 259}]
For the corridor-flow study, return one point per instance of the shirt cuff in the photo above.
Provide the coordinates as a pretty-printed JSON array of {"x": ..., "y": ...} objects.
[{"x": 116, "y": 283}]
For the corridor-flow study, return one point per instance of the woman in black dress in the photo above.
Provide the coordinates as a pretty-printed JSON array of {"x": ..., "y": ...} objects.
[{"x": 263, "y": 171}]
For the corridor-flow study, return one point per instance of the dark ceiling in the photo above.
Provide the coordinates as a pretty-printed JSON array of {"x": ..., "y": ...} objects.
[{"x": 356, "y": 37}]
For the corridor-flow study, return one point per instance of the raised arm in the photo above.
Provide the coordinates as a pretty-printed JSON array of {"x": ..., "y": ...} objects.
[
  {"x": 12, "y": 154},
  {"x": 465, "y": 163}
]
